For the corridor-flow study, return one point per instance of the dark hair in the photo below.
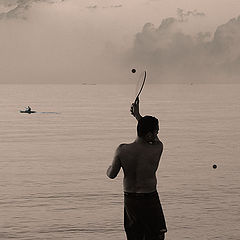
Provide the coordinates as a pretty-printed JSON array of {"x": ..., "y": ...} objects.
[{"x": 146, "y": 124}]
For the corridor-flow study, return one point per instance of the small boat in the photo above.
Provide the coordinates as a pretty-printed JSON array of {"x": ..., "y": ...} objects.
[{"x": 27, "y": 111}]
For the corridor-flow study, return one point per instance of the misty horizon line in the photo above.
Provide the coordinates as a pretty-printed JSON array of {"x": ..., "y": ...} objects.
[{"x": 123, "y": 83}]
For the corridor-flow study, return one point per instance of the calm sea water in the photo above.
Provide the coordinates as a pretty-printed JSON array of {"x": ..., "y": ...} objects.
[{"x": 53, "y": 163}]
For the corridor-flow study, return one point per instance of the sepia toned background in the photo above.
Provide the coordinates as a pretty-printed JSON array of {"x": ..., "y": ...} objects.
[{"x": 71, "y": 62}]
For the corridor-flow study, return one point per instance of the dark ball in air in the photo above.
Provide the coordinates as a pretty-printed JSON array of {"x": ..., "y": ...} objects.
[
  {"x": 214, "y": 166},
  {"x": 133, "y": 70}
]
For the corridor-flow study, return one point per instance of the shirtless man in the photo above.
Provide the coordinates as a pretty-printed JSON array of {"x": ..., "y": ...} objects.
[{"x": 143, "y": 214}]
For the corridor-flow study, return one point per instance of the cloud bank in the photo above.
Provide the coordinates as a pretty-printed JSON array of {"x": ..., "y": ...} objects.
[
  {"x": 55, "y": 41},
  {"x": 18, "y": 8},
  {"x": 174, "y": 54}
]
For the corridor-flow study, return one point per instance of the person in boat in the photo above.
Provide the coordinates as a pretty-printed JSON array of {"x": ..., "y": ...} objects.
[
  {"x": 143, "y": 213},
  {"x": 28, "y": 109}
]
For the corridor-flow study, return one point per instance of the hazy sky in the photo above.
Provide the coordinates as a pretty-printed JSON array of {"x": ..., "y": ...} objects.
[{"x": 74, "y": 41}]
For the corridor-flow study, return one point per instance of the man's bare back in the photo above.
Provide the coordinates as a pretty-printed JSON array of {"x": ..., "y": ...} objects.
[{"x": 139, "y": 161}]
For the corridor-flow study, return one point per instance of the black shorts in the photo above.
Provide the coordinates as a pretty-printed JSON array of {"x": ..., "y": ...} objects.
[{"x": 143, "y": 216}]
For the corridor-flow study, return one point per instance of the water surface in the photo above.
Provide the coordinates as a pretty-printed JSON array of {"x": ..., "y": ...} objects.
[{"x": 53, "y": 163}]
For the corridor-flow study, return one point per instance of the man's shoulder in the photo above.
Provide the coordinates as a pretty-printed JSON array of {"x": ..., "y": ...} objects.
[
  {"x": 124, "y": 146},
  {"x": 158, "y": 145}
]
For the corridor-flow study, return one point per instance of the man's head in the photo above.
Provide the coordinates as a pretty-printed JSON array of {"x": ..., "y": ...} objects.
[{"x": 148, "y": 127}]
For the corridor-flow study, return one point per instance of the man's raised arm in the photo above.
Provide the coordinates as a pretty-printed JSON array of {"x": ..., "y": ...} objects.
[{"x": 135, "y": 109}]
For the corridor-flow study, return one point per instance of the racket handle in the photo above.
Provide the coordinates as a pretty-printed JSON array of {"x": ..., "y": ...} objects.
[{"x": 136, "y": 100}]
